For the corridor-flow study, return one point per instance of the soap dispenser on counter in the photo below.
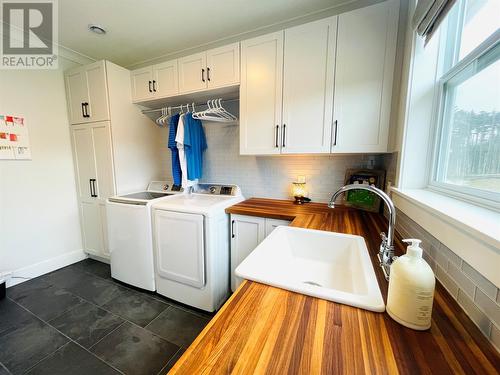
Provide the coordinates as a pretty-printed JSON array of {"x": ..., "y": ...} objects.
[{"x": 411, "y": 289}]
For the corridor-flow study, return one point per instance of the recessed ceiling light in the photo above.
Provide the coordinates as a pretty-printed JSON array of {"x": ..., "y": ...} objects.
[{"x": 97, "y": 29}]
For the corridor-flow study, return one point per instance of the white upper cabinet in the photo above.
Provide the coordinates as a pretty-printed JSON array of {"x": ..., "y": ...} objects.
[
  {"x": 308, "y": 82},
  {"x": 223, "y": 66},
  {"x": 218, "y": 67},
  {"x": 193, "y": 72},
  {"x": 97, "y": 107},
  {"x": 155, "y": 81},
  {"x": 286, "y": 92},
  {"x": 212, "y": 69},
  {"x": 366, "y": 45},
  {"x": 77, "y": 94},
  {"x": 142, "y": 83},
  {"x": 87, "y": 93},
  {"x": 166, "y": 79},
  {"x": 261, "y": 94},
  {"x": 336, "y": 75}
]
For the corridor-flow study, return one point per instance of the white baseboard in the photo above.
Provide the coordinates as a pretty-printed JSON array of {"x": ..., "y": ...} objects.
[{"x": 46, "y": 266}]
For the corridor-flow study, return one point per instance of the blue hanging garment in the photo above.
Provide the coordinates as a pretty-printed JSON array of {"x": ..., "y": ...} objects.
[
  {"x": 172, "y": 145},
  {"x": 194, "y": 145}
]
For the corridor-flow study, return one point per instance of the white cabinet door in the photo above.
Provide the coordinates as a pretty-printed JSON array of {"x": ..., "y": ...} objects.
[
  {"x": 308, "y": 83},
  {"x": 193, "y": 73},
  {"x": 261, "y": 94},
  {"x": 246, "y": 233},
  {"x": 366, "y": 43},
  {"x": 83, "y": 149},
  {"x": 166, "y": 79},
  {"x": 272, "y": 224},
  {"x": 97, "y": 107},
  {"x": 223, "y": 66},
  {"x": 142, "y": 83},
  {"x": 93, "y": 161},
  {"x": 77, "y": 94},
  {"x": 179, "y": 247},
  {"x": 92, "y": 228},
  {"x": 104, "y": 184}
]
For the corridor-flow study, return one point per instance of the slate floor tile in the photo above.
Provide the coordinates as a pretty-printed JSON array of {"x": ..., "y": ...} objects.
[
  {"x": 11, "y": 314},
  {"x": 28, "y": 287},
  {"x": 136, "y": 307},
  {"x": 68, "y": 277},
  {"x": 47, "y": 302},
  {"x": 3, "y": 370},
  {"x": 24, "y": 345},
  {"x": 172, "y": 362},
  {"x": 97, "y": 290},
  {"x": 95, "y": 267},
  {"x": 134, "y": 350},
  {"x": 72, "y": 359},
  {"x": 86, "y": 324},
  {"x": 178, "y": 326}
]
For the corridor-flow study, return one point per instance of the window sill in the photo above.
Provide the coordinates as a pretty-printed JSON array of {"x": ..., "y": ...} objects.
[{"x": 472, "y": 232}]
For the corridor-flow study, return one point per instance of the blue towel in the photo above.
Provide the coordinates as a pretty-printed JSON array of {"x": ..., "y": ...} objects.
[
  {"x": 194, "y": 145},
  {"x": 172, "y": 145}
]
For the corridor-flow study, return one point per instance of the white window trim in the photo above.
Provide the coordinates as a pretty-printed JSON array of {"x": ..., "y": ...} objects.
[
  {"x": 470, "y": 231},
  {"x": 479, "y": 197}
]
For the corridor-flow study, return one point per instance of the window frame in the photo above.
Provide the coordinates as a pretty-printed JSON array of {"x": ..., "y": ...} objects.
[{"x": 488, "y": 199}]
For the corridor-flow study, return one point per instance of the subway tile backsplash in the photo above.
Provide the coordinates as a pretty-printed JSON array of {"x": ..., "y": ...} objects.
[
  {"x": 479, "y": 298},
  {"x": 269, "y": 176}
]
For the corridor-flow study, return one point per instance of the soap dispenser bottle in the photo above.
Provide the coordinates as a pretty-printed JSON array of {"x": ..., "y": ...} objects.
[{"x": 411, "y": 289}]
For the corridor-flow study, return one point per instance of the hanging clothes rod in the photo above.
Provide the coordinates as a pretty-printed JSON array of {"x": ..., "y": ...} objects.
[{"x": 183, "y": 105}]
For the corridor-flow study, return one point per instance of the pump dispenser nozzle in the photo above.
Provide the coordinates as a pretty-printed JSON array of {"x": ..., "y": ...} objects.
[{"x": 414, "y": 249}]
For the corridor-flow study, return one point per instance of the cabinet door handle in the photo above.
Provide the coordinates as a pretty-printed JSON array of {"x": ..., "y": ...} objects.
[
  {"x": 203, "y": 75},
  {"x": 154, "y": 85},
  {"x": 87, "y": 112},
  {"x": 208, "y": 74},
  {"x": 95, "y": 190},
  {"x": 284, "y": 135},
  {"x": 149, "y": 86},
  {"x": 232, "y": 229},
  {"x": 277, "y": 136},
  {"x": 91, "y": 190},
  {"x": 335, "y": 133},
  {"x": 83, "y": 110}
]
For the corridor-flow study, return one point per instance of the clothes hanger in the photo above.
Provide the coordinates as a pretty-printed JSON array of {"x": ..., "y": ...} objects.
[{"x": 222, "y": 110}]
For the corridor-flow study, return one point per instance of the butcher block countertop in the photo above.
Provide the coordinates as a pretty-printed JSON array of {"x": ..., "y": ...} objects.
[{"x": 262, "y": 329}]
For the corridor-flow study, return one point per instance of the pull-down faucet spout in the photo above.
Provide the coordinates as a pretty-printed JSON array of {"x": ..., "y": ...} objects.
[{"x": 386, "y": 252}]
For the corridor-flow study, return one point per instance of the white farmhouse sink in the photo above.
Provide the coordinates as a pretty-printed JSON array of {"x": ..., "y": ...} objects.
[{"x": 327, "y": 265}]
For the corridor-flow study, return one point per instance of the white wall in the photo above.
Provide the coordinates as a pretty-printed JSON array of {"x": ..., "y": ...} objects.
[{"x": 39, "y": 219}]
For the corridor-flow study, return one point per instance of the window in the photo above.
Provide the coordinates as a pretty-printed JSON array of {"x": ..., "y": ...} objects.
[{"x": 467, "y": 154}]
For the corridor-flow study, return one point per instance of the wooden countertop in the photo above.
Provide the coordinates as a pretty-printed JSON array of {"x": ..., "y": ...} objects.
[{"x": 262, "y": 329}]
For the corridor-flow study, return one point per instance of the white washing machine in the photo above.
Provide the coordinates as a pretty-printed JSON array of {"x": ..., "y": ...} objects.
[
  {"x": 130, "y": 234},
  {"x": 191, "y": 245}
]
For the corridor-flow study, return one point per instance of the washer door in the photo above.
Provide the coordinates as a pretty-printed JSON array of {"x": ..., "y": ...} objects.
[{"x": 180, "y": 247}]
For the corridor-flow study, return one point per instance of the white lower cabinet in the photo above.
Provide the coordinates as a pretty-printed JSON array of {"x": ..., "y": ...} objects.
[
  {"x": 247, "y": 232},
  {"x": 93, "y": 162}
]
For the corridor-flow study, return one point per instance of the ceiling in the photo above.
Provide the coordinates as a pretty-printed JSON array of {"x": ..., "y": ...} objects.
[{"x": 139, "y": 31}]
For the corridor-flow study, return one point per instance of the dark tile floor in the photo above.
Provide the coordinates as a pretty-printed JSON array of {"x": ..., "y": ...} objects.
[{"x": 78, "y": 320}]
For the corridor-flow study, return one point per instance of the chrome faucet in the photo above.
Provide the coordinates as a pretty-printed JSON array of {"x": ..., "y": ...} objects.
[{"x": 386, "y": 251}]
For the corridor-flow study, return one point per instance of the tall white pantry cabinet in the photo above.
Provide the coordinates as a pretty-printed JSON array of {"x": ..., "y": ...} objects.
[{"x": 111, "y": 142}]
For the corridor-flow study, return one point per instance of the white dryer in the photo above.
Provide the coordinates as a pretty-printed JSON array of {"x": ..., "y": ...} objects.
[
  {"x": 191, "y": 245},
  {"x": 130, "y": 234}
]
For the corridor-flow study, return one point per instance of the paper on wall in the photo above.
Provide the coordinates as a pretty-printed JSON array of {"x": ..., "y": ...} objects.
[{"x": 14, "y": 138}]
